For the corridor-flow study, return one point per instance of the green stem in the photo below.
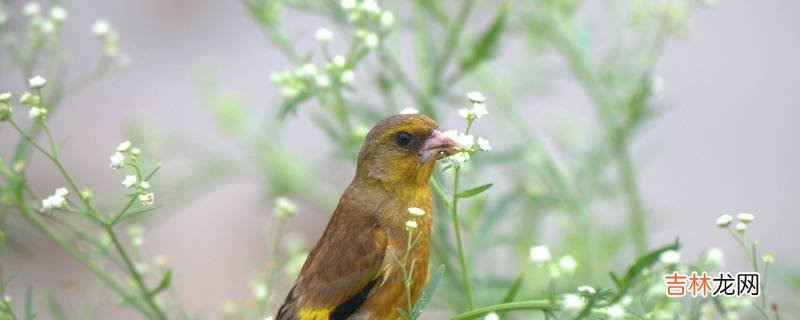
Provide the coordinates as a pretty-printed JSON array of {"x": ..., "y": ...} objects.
[
  {"x": 137, "y": 277},
  {"x": 542, "y": 305},
  {"x": 457, "y": 228},
  {"x": 627, "y": 174}
]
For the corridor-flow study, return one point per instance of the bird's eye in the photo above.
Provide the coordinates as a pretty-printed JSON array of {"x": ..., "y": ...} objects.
[{"x": 403, "y": 138}]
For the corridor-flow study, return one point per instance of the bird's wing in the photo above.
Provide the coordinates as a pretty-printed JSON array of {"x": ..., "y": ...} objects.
[{"x": 339, "y": 273}]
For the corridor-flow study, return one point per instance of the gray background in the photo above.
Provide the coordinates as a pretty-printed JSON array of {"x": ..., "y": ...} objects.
[{"x": 726, "y": 142}]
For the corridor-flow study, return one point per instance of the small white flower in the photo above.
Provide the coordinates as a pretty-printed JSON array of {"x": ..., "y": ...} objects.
[
  {"x": 670, "y": 257},
  {"x": 136, "y": 151},
  {"x": 348, "y": 4},
  {"x": 339, "y": 60},
  {"x": 492, "y": 316},
  {"x": 450, "y": 134},
  {"x": 284, "y": 208},
  {"x": 323, "y": 80},
  {"x": 37, "y": 82},
  {"x": 568, "y": 264},
  {"x": 308, "y": 70},
  {"x": 741, "y": 227},
  {"x": 387, "y": 19},
  {"x": 616, "y": 311},
  {"x": 117, "y": 160},
  {"x": 656, "y": 84},
  {"x": 144, "y": 185},
  {"x": 465, "y": 113},
  {"x": 715, "y": 256},
  {"x": 3, "y": 18},
  {"x": 479, "y": 109},
  {"x": 539, "y": 254},
  {"x": 586, "y": 290},
  {"x": 57, "y": 200},
  {"x": 466, "y": 141},
  {"x": 26, "y": 98},
  {"x": 58, "y": 13},
  {"x": 459, "y": 158},
  {"x": 745, "y": 217},
  {"x": 62, "y": 192},
  {"x": 475, "y": 97},
  {"x": 414, "y": 211},
  {"x": 101, "y": 28},
  {"x": 124, "y": 146},
  {"x": 130, "y": 181},
  {"x": 289, "y": 92},
  {"x": 370, "y": 6},
  {"x": 409, "y": 111},
  {"x": 410, "y": 224},
  {"x": 724, "y": 220},
  {"x": 37, "y": 113},
  {"x": 348, "y": 76},
  {"x": 323, "y": 35},
  {"x": 483, "y": 144},
  {"x": 5, "y": 97},
  {"x": 147, "y": 199},
  {"x": 572, "y": 302},
  {"x": 371, "y": 40},
  {"x": 31, "y": 9},
  {"x": 269, "y": 318}
]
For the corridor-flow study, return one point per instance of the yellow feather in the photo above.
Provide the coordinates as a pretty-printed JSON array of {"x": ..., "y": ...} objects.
[{"x": 317, "y": 314}]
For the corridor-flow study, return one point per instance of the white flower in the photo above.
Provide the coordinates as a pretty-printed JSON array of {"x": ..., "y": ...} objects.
[
  {"x": 616, "y": 312},
  {"x": 37, "y": 82},
  {"x": 409, "y": 111},
  {"x": 586, "y": 290},
  {"x": 479, "y": 109},
  {"x": 5, "y": 97},
  {"x": 37, "y": 113},
  {"x": 414, "y": 211},
  {"x": 58, "y": 13},
  {"x": 124, "y": 146},
  {"x": 130, "y": 181},
  {"x": 31, "y": 9},
  {"x": 741, "y": 227},
  {"x": 483, "y": 144},
  {"x": 371, "y": 40},
  {"x": 539, "y": 254},
  {"x": 339, "y": 60},
  {"x": 323, "y": 80},
  {"x": 568, "y": 264},
  {"x": 491, "y": 316},
  {"x": 387, "y": 19},
  {"x": 410, "y": 224},
  {"x": 348, "y": 76},
  {"x": 656, "y": 84},
  {"x": 117, "y": 160},
  {"x": 465, "y": 141},
  {"x": 101, "y": 28},
  {"x": 745, "y": 217},
  {"x": 3, "y": 18},
  {"x": 47, "y": 27},
  {"x": 289, "y": 92},
  {"x": 724, "y": 220},
  {"x": 465, "y": 113},
  {"x": 715, "y": 256},
  {"x": 572, "y": 302},
  {"x": 670, "y": 257},
  {"x": 284, "y": 208},
  {"x": 147, "y": 199},
  {"x": 348, "y": 4},
  {"x": 26, "y": 98},
  {"x": 57, "y": 200},
  {"x": 307, "y": 70},
  {"x": 459, "y": 158},
  {"x": 323, "y": 35},
  {"x": 136, "y": 151},
  {"x": 144, "y": 185},
  {"x": 475, "y": 97},
  {"x": 370, "y": 6}
]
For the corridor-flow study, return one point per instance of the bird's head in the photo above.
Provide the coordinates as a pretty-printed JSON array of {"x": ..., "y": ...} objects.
[{"x": 401, "y": 150}]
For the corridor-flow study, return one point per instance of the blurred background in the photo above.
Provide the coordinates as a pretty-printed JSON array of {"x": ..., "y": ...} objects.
[{"x": 725, "y": 140}]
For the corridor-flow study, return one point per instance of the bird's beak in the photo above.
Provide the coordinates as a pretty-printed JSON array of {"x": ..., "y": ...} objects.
[{"x": 437, "y": 146}]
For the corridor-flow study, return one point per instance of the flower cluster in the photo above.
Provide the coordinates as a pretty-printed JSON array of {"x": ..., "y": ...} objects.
[
  {"x": 42, "y": 23},
  {"x": 415, "y": 213},
  {"x": 308, "y": 76},
  {"x": 108, "y": 37},
  {"x": 284, "y": 208},
  {"x": 467, "y": 143},
  {"x": 372, "y": 20},
  {"x": 33, "y": 99},
  {"x": 725, "y": 220},
  {"x": 56, "y": 201},
  {"x": 128, "y": 156},
  {"x": 541, "y": 255}
]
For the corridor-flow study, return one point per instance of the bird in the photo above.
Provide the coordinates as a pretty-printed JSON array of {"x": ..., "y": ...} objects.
[{"x": 350, "y": 273}]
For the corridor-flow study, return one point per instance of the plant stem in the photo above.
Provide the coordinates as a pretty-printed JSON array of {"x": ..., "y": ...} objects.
[
  {"x": 456, "y": 226},
  {"x": 137, "y": 278},
  {"x": 543, "y": 305}
]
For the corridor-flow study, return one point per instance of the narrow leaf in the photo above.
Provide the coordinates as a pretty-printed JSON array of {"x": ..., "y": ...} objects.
[
  {"x": 514, "y": 289},
  {"x": 164, "y": 283},
  {"x": 427, "y": 292},
  {"x": 474, "y": 191}
]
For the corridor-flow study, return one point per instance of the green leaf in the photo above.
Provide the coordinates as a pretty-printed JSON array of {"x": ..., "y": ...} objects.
[
  {"x": 56, "y": 310},
  {"x": 164, "y": 283},
  {"x": 485, "y": 46},
  {"x": 514, "y": 289},
  {"x": 637, "y": 267},
  {"x": 427, "y": 292},
  {"x": 474, "y": 191},
  {"x": 541, "y": 305}
]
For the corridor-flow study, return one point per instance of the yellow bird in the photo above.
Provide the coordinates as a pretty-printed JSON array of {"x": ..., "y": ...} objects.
[{"x": 350, "y": 273}]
